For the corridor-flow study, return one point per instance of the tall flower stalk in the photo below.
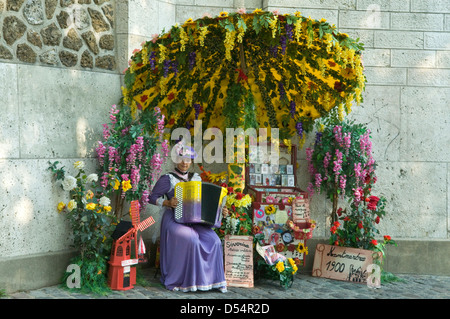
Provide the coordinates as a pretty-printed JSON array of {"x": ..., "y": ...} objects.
[{"x": 128, "y": 157}]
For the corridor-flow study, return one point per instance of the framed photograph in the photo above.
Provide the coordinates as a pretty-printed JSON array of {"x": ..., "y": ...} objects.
[
  {"x": 291, "y": 180},
  {"x": 282, "y": 169},
  {"x": 266, "y": 179},
  {"x": 273, "y": 180},
  {"x": 252, "y": 179},
  {"x": 264, "y": 168},
  {"x": 289, "y": 169},
  {"x": 258, "y": 179},
  {"x": 257, "y": 168},
  {"x": 284, "y": 180},
  {"x": 273, "y": 168}
]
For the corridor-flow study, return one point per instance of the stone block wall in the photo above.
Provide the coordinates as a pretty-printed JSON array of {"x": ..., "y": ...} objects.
[
  {"x": 60, "y": 71},
  {"x": 62, "y": 33}
]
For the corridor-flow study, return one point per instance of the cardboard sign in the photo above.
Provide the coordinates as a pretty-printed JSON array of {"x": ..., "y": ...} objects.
[
  {"x": 342, "y": 263},
  {"x": 300, "y": 210},
  {"x": 239, "y": 261}
]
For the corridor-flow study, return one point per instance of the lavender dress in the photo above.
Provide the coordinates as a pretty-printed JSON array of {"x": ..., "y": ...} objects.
[{"x": 191, "y": 256}]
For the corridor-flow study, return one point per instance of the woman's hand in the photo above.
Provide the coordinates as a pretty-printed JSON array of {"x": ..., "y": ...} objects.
[
  {"x": 173, "y": 202},
  {"x": 225, "y": 211}
]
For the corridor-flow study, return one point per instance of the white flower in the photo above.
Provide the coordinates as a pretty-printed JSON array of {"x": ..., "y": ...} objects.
[
  {"x": 92, "y": 178},
  {"x": 78, "y": 165},
  {"x": 72, "y": 205},
  {"x": 69, "y": 183},
  {"x": 104, "y": 201}
]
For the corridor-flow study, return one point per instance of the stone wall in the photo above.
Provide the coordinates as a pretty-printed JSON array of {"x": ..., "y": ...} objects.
[
  {"x": 57, "y": 85},
  {"x": 65, "y": 33}
]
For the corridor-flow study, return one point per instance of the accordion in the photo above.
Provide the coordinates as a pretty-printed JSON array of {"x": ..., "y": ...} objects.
[{"x": 199, "y": 203}]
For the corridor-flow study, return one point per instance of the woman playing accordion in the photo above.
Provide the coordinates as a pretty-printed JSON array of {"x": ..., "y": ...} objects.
[{"x": 191, "y": 255}]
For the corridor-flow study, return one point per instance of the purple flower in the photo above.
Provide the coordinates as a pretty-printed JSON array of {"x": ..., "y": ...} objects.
[
  {"x": 282, "y": 91},
  {"x": 152, "y": 60},
  {"x": 292, "y": 106},
  {"x": 289, "y": 32},
  {"x": 175, "y": 67},
  {"x": 192, "y": 56},
  {"x": 166, "y": 67},
  {"x": 197, "y": 110},
  {"x": 299, "y": 128},
  {"x": 283, "y": 44}
]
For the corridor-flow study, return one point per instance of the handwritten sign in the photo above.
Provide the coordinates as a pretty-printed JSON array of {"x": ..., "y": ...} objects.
[
  {"x": 342, "y": 263},
  {"x": 239, "y": 261},
  {"x": 300, "y": 210}
]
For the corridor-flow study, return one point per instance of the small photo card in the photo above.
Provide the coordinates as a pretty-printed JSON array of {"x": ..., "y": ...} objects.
[{"x": 289, "y": 169}]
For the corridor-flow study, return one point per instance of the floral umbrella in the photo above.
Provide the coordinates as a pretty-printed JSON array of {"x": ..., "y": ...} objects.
[{"x": 258, "y": 69}]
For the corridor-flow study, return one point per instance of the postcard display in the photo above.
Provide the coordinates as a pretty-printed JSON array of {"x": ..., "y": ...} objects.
[{"x": 280, "y": 209}]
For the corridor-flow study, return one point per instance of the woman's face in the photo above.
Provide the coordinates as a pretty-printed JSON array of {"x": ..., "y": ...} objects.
[{"x": 184, "y": 165}]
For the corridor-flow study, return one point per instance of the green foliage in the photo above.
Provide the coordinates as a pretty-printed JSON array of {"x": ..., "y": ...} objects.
[
  {"x": 88, "y": 211},
  {"x": 93, "y": 276}
]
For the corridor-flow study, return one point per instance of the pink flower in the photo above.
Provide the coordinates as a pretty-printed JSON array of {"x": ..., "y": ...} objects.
[
  {"x": 154, "y": 37},
  {"x": 241, "y": 11}
]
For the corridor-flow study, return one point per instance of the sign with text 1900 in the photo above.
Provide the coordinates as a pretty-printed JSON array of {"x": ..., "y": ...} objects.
[{"x": 342, "y": 263}]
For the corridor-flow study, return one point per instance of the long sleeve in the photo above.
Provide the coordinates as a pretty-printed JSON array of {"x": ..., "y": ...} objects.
[{"x": 161, "y": 188}]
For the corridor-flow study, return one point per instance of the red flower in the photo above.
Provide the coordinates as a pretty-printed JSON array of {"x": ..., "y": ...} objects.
[
  {"x": 337, "y": 224},
  {"x": 336, "y": 243},
  {"x": 333, "y": 229},
  {"x": 239, "y": 196},
  {"x": 387, "y": 237},
  {"x": 339, "y": 211},
  {"x": 224, "y": 185},
  {"x": 338, "y": 86},
  {"x": 377, "y": 220},
  {"x": 230, "y": 190},
  {"x": 374, "y": 242},
  {"x": 360, "y": 225},
  {"x": 373, "y": 201},
  {"x": 346, "y": 219},
  {"x": 280, "y": 247}
]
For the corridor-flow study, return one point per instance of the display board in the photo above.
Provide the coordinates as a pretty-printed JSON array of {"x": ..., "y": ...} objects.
[
  {"x": 342, "y": 263},
  {"x": 239, "y": 261}
]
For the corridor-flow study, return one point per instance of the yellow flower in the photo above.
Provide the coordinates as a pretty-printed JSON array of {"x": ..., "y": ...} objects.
[
  {"x": 71, "y": 205},
  {"x": 349, "y": 73},
  {"x": 61, "y": 206},
  {"x": 107, "y": 208},
  {"x": 89, "y": 194},
  {"x": 188, "y": 21},
  {"x": 257, "y": 10},
  {"x": 291, "y": 261},
  {"x": 301, "y": 248},
  {"x": 78, "y": 164},
  {"x": 295, "y": 268},
  {"x": 116, "y": 184},
  {"x": 183, "y": 39},
  {"x": 126, "y": 185},
  {"x": 90, "y": 206},
  {"x": 298, "y": 14},
  {"x": 280, "y": 266},
  {"x": 323, "y": 20},
  {"x": 270, "y": 209},
  {"x": 223, "y": 14}
]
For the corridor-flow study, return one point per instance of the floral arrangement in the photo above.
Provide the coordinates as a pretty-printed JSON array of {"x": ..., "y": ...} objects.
[
  {"x": 92, "y": 221},
  {"x": 247, "y": 69},
  {"x": 129, "y": 161},
  {"x": 239, "y": 221},
  {"x": 342, "y": 165}
]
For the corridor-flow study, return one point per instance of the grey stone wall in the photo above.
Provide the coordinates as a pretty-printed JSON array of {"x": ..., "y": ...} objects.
[
  {"x": 60, "y": 64},
  {"x": 63, "y": 33}
]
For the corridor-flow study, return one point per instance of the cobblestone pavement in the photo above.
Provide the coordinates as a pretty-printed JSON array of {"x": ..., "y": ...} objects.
[{"x": 304, "y": 287}]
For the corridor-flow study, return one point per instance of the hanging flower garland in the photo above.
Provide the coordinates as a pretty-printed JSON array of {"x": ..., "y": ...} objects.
[{"x": 258, "y": 69}]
